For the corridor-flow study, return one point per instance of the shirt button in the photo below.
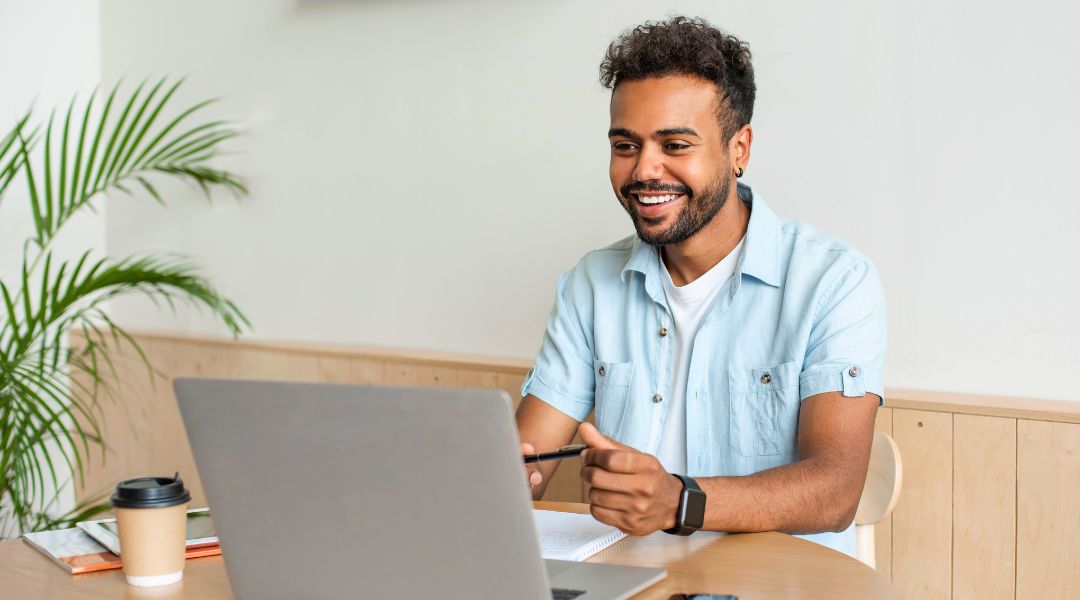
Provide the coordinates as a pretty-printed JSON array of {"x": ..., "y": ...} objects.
[
  {"x": 663, "y": 332},
  {"x": 766, "y": 378},
  {"x": 657, "y": 398},
  {"x": 854, "y": 371},
  {"x": 601, "y": 371}
]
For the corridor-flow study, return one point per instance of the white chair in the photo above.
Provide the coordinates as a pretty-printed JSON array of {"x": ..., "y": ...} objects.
[{"x": 880, "y": 492}]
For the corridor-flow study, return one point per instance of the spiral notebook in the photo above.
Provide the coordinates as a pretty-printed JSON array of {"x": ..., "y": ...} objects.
[{"x": 569, "y": 536}]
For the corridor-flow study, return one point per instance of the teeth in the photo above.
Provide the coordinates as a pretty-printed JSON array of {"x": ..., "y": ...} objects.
[{"x": 657, "y": 199}]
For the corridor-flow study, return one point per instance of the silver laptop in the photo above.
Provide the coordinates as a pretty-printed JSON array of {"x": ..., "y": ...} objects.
[{"x": 350, "y": 491}]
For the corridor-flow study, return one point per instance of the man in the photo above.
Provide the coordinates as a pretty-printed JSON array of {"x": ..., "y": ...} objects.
[{"x": 722, "y": 347}]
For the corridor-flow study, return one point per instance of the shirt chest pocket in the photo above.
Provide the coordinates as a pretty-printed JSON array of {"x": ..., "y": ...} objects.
[
  {"x": 764, "y": 409},
  {"x": 612, "y": 389}
]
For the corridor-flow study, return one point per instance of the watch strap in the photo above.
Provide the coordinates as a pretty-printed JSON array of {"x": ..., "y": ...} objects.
[{"x": 690, "y": 487}]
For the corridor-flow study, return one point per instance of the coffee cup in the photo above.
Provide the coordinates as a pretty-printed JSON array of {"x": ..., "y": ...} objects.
[{"x": 151, "y": 515}]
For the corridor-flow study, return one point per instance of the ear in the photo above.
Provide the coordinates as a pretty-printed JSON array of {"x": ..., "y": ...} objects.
[{"x": 739, "y": 147}]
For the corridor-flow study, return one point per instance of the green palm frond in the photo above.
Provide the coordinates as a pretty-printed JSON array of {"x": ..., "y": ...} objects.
[
  {"x": 50, "y": 393},
  {"x": 114, "y": 148},
  {"x": 10, "y": 152}
]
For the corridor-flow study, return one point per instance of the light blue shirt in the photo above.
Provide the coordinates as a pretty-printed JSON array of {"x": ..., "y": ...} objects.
[{"x": 803, "y": 314}]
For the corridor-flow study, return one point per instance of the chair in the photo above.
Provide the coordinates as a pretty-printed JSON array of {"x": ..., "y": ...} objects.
[{"x": 880, "y": 492}]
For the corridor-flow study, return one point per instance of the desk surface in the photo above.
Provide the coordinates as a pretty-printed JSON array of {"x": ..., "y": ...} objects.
[{"x": 755, "y": 565}]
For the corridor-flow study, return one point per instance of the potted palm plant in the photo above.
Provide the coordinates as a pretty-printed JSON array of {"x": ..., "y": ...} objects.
[{"x": 119, "y": 142}]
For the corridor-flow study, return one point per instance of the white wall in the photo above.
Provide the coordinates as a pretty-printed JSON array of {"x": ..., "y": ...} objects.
[
  {"x": 422, "y": 170},
  {"x": 49, "y": 50}
]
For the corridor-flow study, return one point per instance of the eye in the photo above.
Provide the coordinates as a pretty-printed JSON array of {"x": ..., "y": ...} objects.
[
  {"x": 676, "y": 146},
  {"x": 623, "y": 147}
]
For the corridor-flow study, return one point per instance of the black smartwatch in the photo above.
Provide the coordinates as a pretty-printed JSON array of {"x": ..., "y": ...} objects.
[{"x": 691, "y": 513}]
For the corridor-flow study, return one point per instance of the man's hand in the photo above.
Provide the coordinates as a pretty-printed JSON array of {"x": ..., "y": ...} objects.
[
  {"x": 532, "y": 473},
  {"x": 630, "y": 489}
]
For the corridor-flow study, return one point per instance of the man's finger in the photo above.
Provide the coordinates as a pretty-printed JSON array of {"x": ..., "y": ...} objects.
[
  {"x": 616, "y": 461},
  {"x": 606, "y": 480},
  {"x": 594, "y": 439},
  {"x": 534, "y": 475},
  {"x": 611, "y": 500},
  {"x": 608, "y": 517}
]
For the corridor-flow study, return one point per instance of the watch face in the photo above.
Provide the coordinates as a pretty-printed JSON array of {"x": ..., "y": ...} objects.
[{"x": 694, "y": 514}]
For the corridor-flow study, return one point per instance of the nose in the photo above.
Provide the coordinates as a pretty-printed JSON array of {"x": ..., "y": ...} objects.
[{"x": 650, "y": 164}]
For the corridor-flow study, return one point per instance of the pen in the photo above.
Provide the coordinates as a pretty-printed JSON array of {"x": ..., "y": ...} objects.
[{"x": 564, "y": 452}]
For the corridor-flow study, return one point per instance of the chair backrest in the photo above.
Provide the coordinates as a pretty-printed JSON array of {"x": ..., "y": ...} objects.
[{"x": 883, "y": 480}]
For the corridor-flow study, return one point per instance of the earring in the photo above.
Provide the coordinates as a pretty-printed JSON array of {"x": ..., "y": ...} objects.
[{"x": 739, "y": 172}]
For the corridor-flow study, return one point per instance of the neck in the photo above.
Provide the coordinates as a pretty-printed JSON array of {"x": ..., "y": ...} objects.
[{"x": 693, "y": 257}]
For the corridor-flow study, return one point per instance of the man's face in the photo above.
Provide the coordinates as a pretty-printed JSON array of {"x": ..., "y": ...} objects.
[{"x": 669, "y": 161}]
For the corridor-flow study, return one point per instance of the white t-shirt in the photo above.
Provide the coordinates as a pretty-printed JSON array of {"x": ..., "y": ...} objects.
[{"x": 689, "y": 304}]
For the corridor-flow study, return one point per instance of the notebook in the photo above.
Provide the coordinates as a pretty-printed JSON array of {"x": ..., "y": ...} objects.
[
  {"x": 77, "y": 552},
  {"x": 73, "y": 550},
  {"x": 200, "y": 531},
  {"x": 569, "y": 536}
]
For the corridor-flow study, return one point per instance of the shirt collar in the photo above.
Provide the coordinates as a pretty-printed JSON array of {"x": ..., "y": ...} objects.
[{"x": 759, "y": 255}]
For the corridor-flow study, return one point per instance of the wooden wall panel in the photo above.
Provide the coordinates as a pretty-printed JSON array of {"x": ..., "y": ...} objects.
[
  {"x": 1048, "y": 515},
  {"x": 922, "y": 519},
  {"x": 401, "y": 373},
  {"x": 511, "y": 384},
  {"x": 476, "y": 378},
  {"x": 196, "y": 359},
  {"x": 367, "y": 370},
  {"x": 883, "y": 529},
  {"x": 984, "y": 507},
  {"x": 256, "y": 363},
  {"x": 334, "y": 369}
]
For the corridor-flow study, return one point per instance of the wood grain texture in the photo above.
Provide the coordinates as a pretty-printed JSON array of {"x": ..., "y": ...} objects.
[
  {"x": 366, "y": 370},
  {"x": 334, "y": 369},
  {"x": 755, "y": 565},
  {"x": 1048, "y": 511},
  {"x": 430, "y": 357},
  {"x": 922, "y": 519},
  {"x": 984, "y": 507},
  {"x": 478, "y": 378},
  {"x": 1061, "y": 411}
]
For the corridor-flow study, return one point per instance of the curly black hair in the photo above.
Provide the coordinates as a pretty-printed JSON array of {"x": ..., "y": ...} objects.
[{"x": 687, "y": 46}]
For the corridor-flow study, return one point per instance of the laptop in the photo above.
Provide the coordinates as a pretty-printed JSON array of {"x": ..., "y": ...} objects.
[{"x": 343, "y": 491}]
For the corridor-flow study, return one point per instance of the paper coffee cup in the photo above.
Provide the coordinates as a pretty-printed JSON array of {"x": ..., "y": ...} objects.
[{"x": 151, "y": 515}]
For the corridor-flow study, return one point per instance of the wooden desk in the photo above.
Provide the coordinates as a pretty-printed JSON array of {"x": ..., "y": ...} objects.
[{"x": 751, "y": 566}]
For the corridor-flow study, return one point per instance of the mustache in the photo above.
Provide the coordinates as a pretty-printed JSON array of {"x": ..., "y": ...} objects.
[{"x": 639, "y": 186}]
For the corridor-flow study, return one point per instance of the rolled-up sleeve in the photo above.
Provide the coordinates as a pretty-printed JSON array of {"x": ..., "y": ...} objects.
[
  {"x": 562, "y": 374},
  {"x": 846, "y": 349}
]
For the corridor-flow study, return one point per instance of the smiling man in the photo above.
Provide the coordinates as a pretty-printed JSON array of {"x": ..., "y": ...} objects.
[{"x": 733, "y": 359}]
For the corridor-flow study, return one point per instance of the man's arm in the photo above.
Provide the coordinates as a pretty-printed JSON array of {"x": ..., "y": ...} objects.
[
  {"x": 542, "y": 428},
  {"x": 819, "y": 492}
]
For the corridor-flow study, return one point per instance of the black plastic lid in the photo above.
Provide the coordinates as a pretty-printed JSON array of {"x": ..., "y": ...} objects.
[{"x": 151, "y": 492}]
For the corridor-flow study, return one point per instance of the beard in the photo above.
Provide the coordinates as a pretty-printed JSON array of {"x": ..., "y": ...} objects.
[{"x": 696, "y": 213}]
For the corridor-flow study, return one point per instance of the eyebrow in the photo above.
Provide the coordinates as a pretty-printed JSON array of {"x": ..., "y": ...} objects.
[{"x": 619, "y": 131}]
